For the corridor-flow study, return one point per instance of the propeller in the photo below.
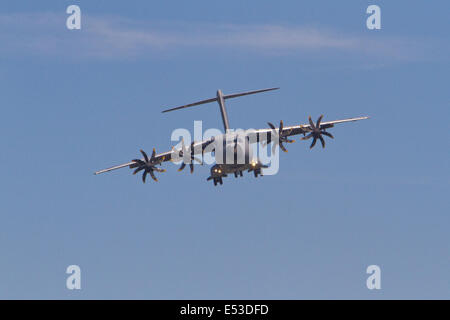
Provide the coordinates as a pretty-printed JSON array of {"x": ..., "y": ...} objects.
[
  {"x": 282, "y": 136},
  {"x": 148, "y": 165},
  {"x": 316, "y": 132},
  {"x": 189, "y": 150}
]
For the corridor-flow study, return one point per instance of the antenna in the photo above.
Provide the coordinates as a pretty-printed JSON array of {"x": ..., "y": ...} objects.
[{"x": 220, "y": 98}]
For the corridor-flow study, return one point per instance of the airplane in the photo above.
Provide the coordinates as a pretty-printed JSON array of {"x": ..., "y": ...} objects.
[{"x": 232, "y": 145}]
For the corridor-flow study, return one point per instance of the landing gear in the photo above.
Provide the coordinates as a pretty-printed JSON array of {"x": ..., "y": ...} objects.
[
  {"x": 218, "y": 180},
  {"x": 236, "y": 173},
  {"x": 257, "y": 172}
]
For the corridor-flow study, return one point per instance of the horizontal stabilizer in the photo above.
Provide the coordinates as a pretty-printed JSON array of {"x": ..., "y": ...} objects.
[
  {"x": 192, "y": 104},
  {"x": 235, "y": 95},
  {"x": 228, "y": 96}
]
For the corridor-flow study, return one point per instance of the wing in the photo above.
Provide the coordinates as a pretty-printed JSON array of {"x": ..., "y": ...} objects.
[
  {"x": 171, "y": 155},
  {"x": 265, "y": 134}
]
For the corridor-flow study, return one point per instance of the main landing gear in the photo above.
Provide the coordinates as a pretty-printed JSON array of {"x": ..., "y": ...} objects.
[
  {"x": 257, "y": 172},
  {"x": 238, "y": 172}
]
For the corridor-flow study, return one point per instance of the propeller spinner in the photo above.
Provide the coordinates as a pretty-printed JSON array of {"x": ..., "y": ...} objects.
[
  {"x": 148, "y": 165},
  {"x": 189, "y": 155},
  {"x": 316, "y": 132},
  {"x": 282, "y": 136}
]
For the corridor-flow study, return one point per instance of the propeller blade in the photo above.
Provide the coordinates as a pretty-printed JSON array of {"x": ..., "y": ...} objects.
[
  {"x": 288, "y": 140},
  {"x": 153, "y": 154},
  {"x": 138, "y": 161},
  {"x": 153, "y": 175},
  {"x": 191, "y": 165},
  {"x": 144, "y": 175},
  {"x": 311, "y": 123},
  {"x": 309, "y": 136},
  {"x": 271, "y": 126},
  {"x": 133, "y": 165},
  {"x": 313, "y": 143},
  {"x": 182, "y": 166},
  {"x": 281, "y": 127},
  {"x": 322, "y": 141},
  {"x": 282, "y": 147},
  {"x": 327, "y": 134},
  {"x": 138, "y": 169},
  {"x": 318, "y": 121},
  {"x": 145, "y": 155}
]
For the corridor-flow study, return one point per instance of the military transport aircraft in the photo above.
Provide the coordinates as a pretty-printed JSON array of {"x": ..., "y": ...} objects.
[{"x": 231, "y": 144}]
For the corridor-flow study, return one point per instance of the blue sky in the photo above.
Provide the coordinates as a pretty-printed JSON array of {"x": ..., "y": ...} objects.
[{"x": 73, "y": 102}]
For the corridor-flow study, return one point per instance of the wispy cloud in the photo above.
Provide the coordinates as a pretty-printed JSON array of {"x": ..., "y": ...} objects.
[{"x": 115, "y": 37}]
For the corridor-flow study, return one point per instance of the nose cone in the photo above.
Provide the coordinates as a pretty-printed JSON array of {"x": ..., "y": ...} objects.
[{"x": 214, "y": 168}]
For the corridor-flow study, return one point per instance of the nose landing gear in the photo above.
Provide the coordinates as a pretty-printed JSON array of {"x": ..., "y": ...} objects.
[{"x": 217, "y": 180}]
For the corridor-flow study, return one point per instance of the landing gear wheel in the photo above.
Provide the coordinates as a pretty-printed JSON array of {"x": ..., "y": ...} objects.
[
  {"x": 240, "y": 172},
  {"x": 215, "y": 181},
  {"x": 220, "y": 180}
]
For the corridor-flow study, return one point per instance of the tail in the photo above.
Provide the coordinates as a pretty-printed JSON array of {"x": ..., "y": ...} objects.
[{"x": 226, "y": 96}]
